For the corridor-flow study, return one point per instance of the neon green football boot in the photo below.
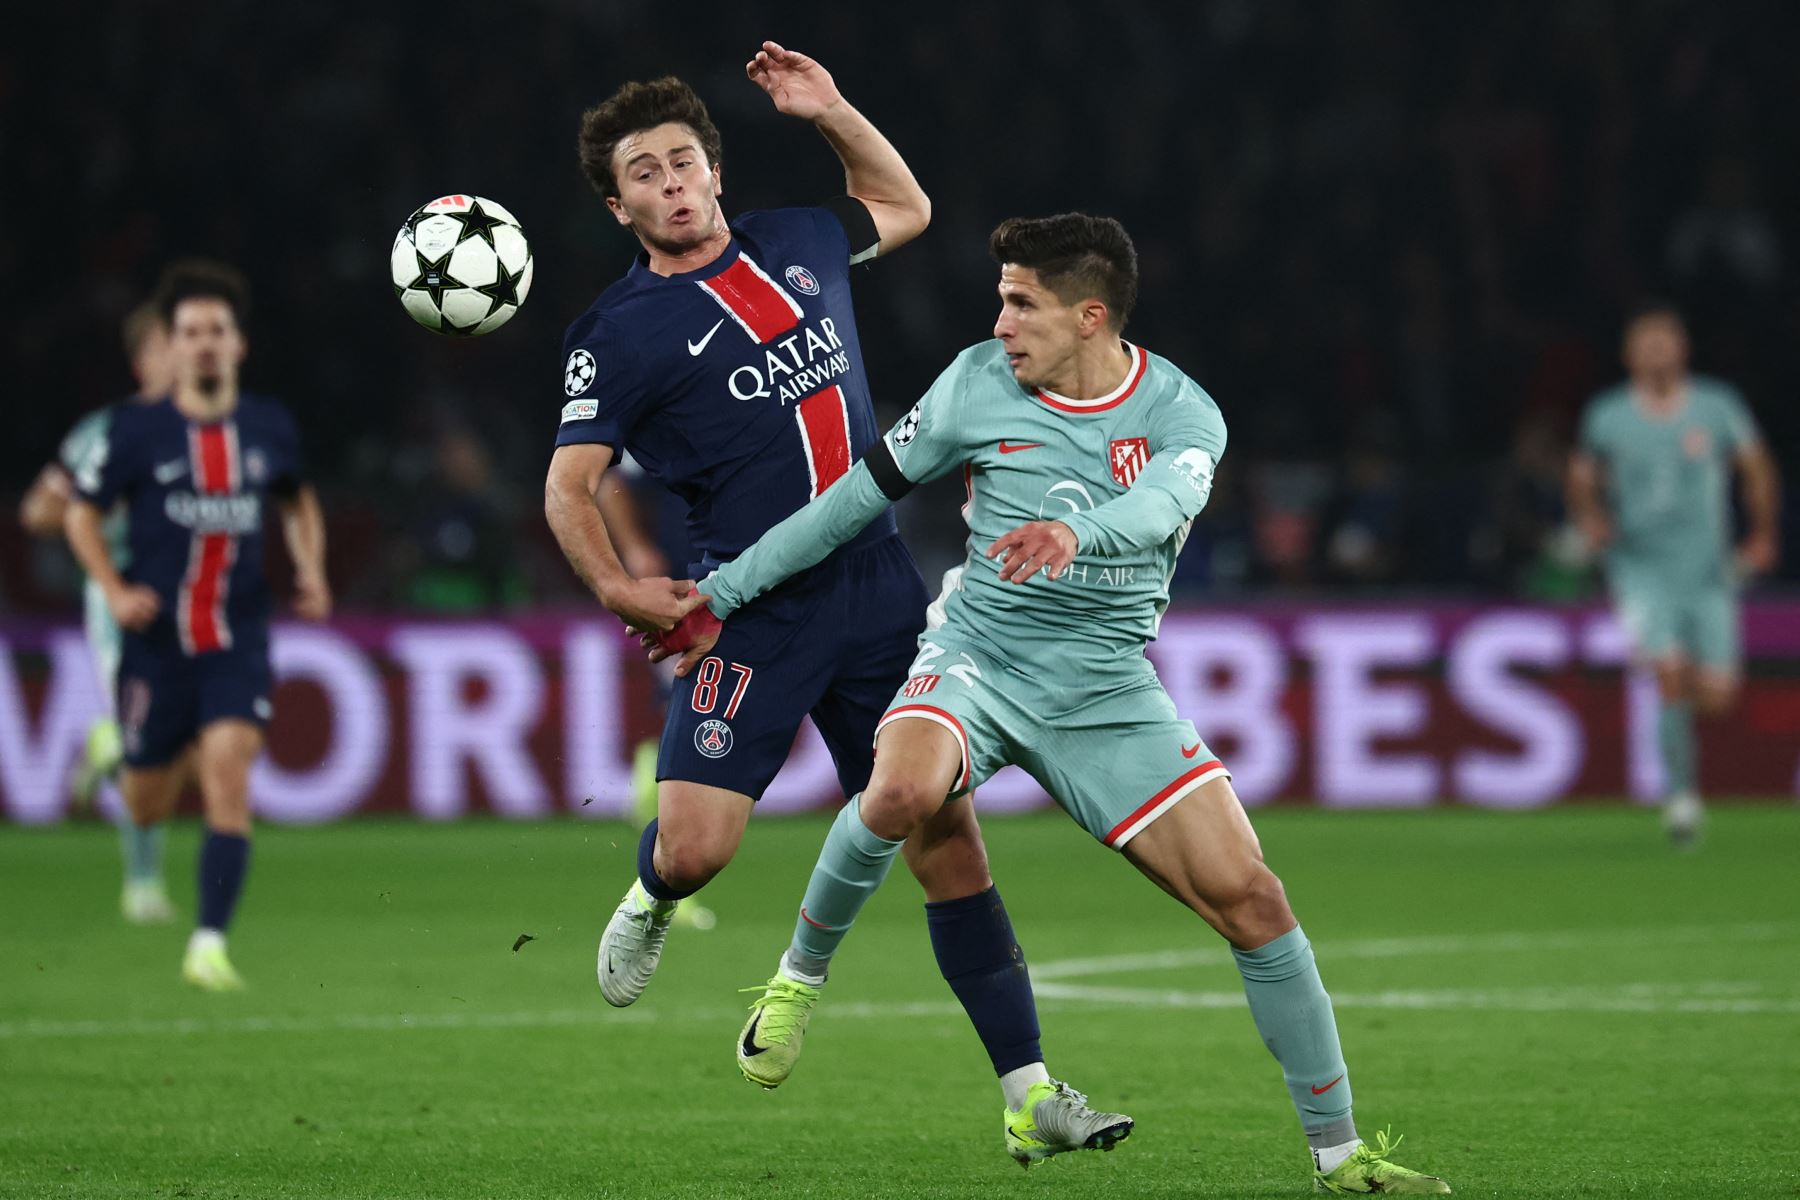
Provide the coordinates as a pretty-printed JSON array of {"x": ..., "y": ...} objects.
[
  {"x": 770, "y": 1044},
  {"x": 206, "y": 966},
  {"x": 101, "y": 755},
  {"x": 1368, "y": 1170},
  {"x": 1056, "y": 1118}
]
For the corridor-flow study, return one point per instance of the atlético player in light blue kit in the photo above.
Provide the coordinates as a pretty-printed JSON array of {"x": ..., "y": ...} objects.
[
  {"x": 726, "y": 362},
  {"x": 1037, "y": 658}
]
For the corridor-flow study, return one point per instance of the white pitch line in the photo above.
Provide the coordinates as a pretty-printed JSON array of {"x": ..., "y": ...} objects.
[
  {"x": 1474, "y": 943},
  {"x": 32, "y": 1028},
  {"x": 1634, "y": 998},
  {"x": 1637, "y": 997},
  {"x": 1655, "y": 998}
]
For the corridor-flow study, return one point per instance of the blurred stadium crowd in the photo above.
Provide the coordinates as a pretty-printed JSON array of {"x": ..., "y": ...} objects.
[{"x": 1394, "y": 240}]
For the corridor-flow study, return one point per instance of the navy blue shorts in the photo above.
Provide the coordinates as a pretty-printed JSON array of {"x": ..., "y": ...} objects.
[
  {"x": 834, "y": 642},
  {"x": 166, "y": 697}
]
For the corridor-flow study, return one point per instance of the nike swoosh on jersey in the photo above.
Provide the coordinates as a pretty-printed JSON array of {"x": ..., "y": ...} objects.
[
  {"x": 1190, "y": 751},
  {"x": 170, "y": 471},
  {"x": 694, "y": 348},
  {"x": 1015, "y": 447}
]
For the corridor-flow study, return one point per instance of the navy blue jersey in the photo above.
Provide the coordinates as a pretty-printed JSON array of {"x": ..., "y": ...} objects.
[
  {"x": 194, "y": 493},
  {"x": 739, "y": 386}
]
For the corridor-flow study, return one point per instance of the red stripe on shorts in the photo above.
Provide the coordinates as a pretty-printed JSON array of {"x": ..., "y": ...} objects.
[{"x": 1152, "y": 802}]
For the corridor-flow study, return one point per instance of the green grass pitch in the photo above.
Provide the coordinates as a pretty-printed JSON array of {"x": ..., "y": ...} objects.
[{"x": 1547, "y": 1004}]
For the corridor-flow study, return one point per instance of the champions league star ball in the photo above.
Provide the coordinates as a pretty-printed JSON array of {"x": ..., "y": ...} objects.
[{"x": 461, "y": 266}]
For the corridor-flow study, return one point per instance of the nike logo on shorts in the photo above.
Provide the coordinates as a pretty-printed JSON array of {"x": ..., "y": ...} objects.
[{"x": 694, "y": 348}]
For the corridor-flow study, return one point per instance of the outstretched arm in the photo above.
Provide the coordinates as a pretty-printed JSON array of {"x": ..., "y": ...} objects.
[
  {"x": 874, "y": 172},
  {"x": 804, "y": 538}
]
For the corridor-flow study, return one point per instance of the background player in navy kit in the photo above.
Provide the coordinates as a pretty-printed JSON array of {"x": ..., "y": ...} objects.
[
  {"x": 193, "y": 472},
  {"x": 727, "y": 363}
]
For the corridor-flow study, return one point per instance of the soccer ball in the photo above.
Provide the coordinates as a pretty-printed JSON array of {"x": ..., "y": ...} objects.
[{"x": 461, "y": 266}]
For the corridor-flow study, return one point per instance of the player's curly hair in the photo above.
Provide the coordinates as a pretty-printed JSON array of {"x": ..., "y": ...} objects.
[
  {"x": 633, "y": 109},
  {"x": 193, "y": 278},
  {"x": 1076, "y": 256}
]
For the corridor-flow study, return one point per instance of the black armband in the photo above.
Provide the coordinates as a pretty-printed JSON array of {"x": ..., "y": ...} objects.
[
  {"x": 886, "y": 472},
  {"x": 859, "y": 226}
]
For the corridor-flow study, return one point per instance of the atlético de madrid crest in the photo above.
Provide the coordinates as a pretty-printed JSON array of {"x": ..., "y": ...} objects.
[{"x": 1128, "y": 456}]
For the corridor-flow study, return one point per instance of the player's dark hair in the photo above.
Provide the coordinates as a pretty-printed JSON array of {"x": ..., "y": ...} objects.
[
  {"x": 1652, "y": 306},
  {"x": 138, "y": 326},
  {"x": 633, "y": 109},
  {"x": 202, "y": 278},
  {"x": 1076, "y": 256}
]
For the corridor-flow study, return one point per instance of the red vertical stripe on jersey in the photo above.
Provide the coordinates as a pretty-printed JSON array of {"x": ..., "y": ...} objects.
[
  {"x": 825, "y": 433},
  {"x": 200, "y": 615},
  {"x": 757, "y": 303}
]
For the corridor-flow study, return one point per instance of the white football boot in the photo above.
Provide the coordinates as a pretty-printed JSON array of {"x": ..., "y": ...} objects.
[
  {"x": 632, "y": 945},
  {"x": 1683, "y": 818}
]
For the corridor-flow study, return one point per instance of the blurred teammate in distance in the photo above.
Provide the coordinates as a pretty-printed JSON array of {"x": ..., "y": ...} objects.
[
  {"x": 194, "y": 471},
  {"x": 1087, "y": 460},
  {"x": 727, "y": 363},
  {"x": 143, "y": 898},
  {"x": 1649, "y": 485}
]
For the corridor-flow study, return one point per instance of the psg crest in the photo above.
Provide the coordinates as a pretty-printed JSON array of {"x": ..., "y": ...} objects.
[
  {"x": 1128, "y": 456},
  {"x": 713, "y": 739},
  {"x": 803, "y": 280}
]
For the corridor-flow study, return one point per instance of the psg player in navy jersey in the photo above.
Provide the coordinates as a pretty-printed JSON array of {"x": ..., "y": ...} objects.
[
  {"x": 193, "y": 472},
  {"x": 727, "y": 363}
]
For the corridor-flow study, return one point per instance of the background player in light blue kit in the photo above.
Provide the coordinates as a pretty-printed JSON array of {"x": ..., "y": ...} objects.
[
  {"x": 144, "y": 898},
  {"x": 727, "y": 363},
  {"x": 1650, "y": 486},
  {"x": 1034, "y": 655}
]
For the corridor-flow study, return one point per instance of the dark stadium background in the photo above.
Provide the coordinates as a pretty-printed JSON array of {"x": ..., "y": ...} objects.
[{"x": 1394, "y": 240}]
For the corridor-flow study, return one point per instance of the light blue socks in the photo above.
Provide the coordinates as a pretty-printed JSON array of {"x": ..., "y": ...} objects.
[{"x": 1293, "y": 1015}]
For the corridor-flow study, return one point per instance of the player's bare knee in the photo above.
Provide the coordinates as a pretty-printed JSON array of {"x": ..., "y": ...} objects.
[
  {"x": 1715, "y": 697},
  {"x": 687, "y": 862},
  {"x": 147, "y": 797},
  {"x": 895, "y": 806},
  {"x": 1674, "y": 680},
  {"x": 1252, "y": 909}
]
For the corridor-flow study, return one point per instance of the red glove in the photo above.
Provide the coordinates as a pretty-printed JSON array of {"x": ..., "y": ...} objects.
[{"x": 689, "y": 630}]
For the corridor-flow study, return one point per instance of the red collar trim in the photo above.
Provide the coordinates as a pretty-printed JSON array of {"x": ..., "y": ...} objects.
[{"x": 1112, "y": 399}]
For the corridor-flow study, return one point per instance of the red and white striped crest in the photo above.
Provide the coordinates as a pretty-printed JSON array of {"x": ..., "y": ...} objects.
[
  {"x": 1127, "y": 457},
  {"x": 918, "y": 685},
  {"x": 760, "y": 306}
]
